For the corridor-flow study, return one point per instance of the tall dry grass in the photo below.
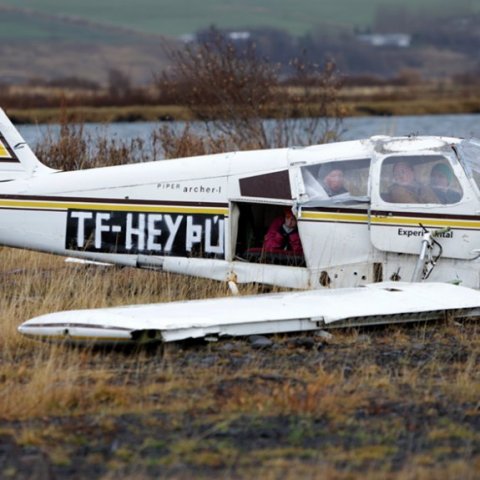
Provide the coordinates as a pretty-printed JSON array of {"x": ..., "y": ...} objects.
[
  {"x": 346, "y": 391},
  {"x": 37, "y": 378},
  {"x": 40, "y": 379},
  {"x": 75, "y": 149}
]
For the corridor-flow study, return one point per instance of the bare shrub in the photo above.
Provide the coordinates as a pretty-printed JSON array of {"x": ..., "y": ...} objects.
[
  {"x": 316, "y": 113},
  {"x": 232, "y": 91},
  {"x": 74, "y": 149},
  {"x": 186, "y": 142},
  {"x": 69, "y": 152}
]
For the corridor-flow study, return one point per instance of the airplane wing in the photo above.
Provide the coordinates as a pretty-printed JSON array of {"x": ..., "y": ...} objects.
[{"x": 379, "y": 303}]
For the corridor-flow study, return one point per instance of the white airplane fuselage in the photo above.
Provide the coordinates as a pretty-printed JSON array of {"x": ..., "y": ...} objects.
[{"x": 206, "y": 216}]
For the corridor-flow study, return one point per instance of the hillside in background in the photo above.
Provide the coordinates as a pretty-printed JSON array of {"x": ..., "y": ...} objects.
[
  {"x": 177, "y": 17},
  {"x": 48, "y": 40}
]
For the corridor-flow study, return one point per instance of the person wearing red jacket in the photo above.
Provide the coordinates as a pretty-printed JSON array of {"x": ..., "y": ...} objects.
[{"x": 282, "y": 235}]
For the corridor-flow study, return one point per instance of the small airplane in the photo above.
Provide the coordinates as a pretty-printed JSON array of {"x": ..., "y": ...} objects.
[{"x": 386, "y": 230}]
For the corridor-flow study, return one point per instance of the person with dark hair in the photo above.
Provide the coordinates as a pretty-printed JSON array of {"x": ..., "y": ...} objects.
[
  {"x": 441, "y": 178},
  {"x": 406, "y": 188},
  {"x": 331, "y": 177},
  {"x": 283, "y": 234}
]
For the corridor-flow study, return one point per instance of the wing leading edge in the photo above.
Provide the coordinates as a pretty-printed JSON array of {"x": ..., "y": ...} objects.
[{"x": 379, "y": 303}]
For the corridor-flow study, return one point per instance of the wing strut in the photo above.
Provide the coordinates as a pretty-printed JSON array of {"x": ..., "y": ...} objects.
[{"x": 426, "y": 261}]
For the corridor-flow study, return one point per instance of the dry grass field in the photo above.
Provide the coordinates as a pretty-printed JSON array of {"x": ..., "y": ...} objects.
[{"x": 388, "y": 403}]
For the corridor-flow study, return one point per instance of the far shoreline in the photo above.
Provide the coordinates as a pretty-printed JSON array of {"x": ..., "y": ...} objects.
[{"x": 171, "y": 113}]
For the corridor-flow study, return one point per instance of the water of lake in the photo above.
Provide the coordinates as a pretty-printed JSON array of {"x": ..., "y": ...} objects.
[{"x": 466, "y": 126}]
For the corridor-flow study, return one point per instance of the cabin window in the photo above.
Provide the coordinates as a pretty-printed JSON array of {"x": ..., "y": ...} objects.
[
  {"x": 337, "y": 182},
  {"x": 419, "y": 179},
  {"x": 262, "y": 237}
]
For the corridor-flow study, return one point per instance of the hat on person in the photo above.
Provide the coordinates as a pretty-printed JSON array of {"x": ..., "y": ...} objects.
[
  {"x": 287, "y": 211},
  {"x": 328, "y": 168},
  {"x": 442, "y": 169}
]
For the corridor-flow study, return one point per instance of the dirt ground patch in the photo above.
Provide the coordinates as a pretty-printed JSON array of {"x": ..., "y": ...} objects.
[{"x": 397, "y": 402}]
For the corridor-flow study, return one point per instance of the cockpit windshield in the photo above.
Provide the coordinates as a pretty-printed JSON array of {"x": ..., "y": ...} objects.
[
  {"x": 469, "y": 157},
  {"x": 422, "y": 179}
]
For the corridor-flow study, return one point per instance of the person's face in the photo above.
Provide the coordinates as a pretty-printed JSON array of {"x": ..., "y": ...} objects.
[
  {"x": 334, "y": 180},
  {"x": 439, "y": 180},
  {"x": 403, "y": 173},
  {"x": 290, "y": 220}
]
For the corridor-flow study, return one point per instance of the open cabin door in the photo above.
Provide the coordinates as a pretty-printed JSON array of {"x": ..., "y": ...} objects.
[
  {"x": 423, "y": 190},
  {"x": 265, "y": 199}
]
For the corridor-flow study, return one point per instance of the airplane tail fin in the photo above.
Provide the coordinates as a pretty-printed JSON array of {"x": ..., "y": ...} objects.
[{"x": 17, "y": 160}]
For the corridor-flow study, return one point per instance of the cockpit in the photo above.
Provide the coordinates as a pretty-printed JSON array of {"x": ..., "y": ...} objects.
[
  {"x": 336, "y": 182},
  {"x": 419, "y": 179}
]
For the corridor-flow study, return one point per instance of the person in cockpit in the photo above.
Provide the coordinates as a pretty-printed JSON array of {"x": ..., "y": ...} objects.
[
  {"x": 441, "y": 178},
  {"x": 332, "y": 179},
  {"x": 406, "y": 188}
]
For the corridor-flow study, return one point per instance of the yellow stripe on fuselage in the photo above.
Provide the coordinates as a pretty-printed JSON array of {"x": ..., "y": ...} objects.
[
  {"x": 131, "y": 207},
  {"x": 425, "y": 221},
  {"x": 335, "y": 217},
  {"x": 390, "y": 220}
]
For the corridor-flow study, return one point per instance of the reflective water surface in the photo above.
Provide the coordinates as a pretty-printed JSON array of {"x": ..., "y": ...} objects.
[{"x": 466, "y": 126}]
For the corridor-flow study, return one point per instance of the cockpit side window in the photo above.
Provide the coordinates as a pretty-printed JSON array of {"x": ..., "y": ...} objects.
[
  {"x": 419, "y": 179},
  {"x": 469, "y": 156},
  {"x": 336, "y": 182}
]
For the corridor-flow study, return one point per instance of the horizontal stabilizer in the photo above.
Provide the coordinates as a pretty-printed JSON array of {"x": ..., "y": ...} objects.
[{"x": 379, "y": 303}]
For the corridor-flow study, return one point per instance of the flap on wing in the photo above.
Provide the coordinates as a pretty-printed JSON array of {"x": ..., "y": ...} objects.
[{"x": 269, "y": 313}]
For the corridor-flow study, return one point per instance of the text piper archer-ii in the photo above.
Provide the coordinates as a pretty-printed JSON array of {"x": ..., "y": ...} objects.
[{"x": 380, "y": 230}]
